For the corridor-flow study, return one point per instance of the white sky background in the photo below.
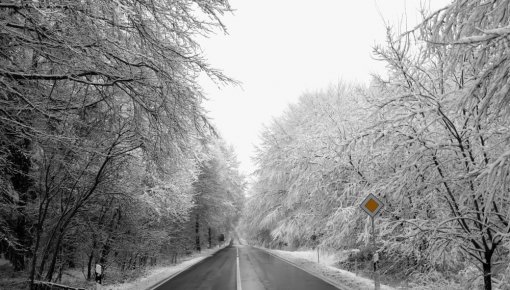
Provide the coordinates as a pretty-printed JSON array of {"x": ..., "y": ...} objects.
[{"x": 279, "y": 49}]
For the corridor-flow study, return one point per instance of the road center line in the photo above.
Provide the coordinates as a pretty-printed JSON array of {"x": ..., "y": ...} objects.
[{"x": 238, "y": 271}]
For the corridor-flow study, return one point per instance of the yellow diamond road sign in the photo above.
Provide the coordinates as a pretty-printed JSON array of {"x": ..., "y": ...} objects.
[{"x": 372, "y": 205}]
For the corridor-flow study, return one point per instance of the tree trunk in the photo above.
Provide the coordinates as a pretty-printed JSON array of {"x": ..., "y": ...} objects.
[
  {"x": 105, "y": 251},
  {"x": 21, "y": 182},
  {"x": 123, "y": 266},
  {"x": 487, "y": 276},
  {"x": 34, "y": 259},
  {"x": 210, "y": 241},
  {"x": 36, "y": 246},
  {"x": 128, "y": 266},
  {"x": 197, "y": 241},
  {"x": 51, "y": 269},
  {"x": 89, "y": 264},
  {"x": 133, "y": 267},
  {"x": 47, "y": 250},
  {"x": 16, "y": 256},
  {"x": 60, "y": 271},
  {"x": 487, "y": 267}
]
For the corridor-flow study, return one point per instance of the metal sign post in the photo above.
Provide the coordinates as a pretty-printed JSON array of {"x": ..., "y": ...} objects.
[
  {"x": 372, "y": 206},
  {"x": 377, "y": 284}
]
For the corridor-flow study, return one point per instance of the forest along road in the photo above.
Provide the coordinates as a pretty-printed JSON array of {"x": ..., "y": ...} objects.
[{"x": 258, "y": 271}]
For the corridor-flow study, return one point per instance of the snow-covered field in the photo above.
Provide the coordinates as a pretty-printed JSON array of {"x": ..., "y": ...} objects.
[
  {"x": 158, "y": 274},
  {"x": 307, "y": 260}
]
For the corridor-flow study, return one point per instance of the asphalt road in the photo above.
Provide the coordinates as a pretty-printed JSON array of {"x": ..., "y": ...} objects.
[
  {"x": 258, "y": 271},
  {"x": 217, "y": 272}
]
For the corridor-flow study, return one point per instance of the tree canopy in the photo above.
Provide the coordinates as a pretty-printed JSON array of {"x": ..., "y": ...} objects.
[
  {"x": 430, "y": 139},
  {"x": 103, "y": 136}
]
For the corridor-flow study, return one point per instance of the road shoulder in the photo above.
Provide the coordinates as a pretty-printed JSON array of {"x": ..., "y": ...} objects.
[{"x": 341, "y": 279}]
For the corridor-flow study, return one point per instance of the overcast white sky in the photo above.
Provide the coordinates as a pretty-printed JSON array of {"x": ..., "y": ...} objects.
[{"x": 279, "y": 49}]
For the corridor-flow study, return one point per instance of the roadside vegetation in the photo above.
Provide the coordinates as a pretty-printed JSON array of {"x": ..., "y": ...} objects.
[
  {"x": 431, "y": 138},
  {"x": 106, "y": 153}
]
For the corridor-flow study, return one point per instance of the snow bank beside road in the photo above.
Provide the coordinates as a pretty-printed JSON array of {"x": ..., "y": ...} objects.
[{"x": 338, "y": 277}]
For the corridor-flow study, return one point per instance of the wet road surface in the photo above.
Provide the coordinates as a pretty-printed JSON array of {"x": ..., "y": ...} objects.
[
  {"x": 217, "y": 272},
  {"x": 258, "y": 271}
]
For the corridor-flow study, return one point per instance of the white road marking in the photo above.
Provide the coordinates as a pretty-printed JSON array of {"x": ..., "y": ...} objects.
[{"x": 238, "y": 272}]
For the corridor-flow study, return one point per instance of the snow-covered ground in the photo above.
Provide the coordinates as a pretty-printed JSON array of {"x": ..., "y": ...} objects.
[
  {"x": 158, "y": 274},
  {"x": 3, "y": 261},
  {"x": 307, "y": 260}
]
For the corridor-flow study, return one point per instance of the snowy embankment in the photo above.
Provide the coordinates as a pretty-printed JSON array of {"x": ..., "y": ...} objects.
[
  {"x": 159, "y": 274},
  {"x": 307, "y": 260}
]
